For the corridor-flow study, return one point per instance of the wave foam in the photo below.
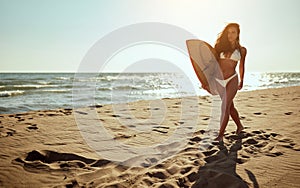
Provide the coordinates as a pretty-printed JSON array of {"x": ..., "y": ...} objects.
[
  {"x": 34, "y": 86},
  {"x": 10, "y": 93}
]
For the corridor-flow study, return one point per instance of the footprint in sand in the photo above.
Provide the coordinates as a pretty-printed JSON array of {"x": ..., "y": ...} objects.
[
  {"x": 19, "y": 117},
  {"x": 249, "y": 144},
  {"x": 46, "y": 160},
  {"x": 196, "y": 139},
  {"x": 159, "y": 174},
  {"x": 123, "y": 136},
  {"x": 67, "y": 111},
  {"x": 161, "y": 129},
  {"x": 239, "y": 149},
  {"x": 52, "y": 114},
  {"x": 82, "y": 113},
  {"x": 32, "y": 127},
  {"x": 179, "y": 123},
  {"x": 266, "y": 143},
  {"x": 5, "y": 132}
]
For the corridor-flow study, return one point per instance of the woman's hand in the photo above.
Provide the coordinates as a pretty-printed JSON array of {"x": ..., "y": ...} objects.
[
  {"x": 205, "y": 87},
  {"x": 241, "y": 85}
]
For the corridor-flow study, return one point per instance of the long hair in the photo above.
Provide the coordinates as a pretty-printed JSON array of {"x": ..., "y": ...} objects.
[{"x": 222, "y": 43}]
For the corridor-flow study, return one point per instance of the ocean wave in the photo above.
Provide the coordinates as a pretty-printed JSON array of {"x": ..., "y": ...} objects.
[
  {"x": 63, "y": 78},
  {"x": 120, "y": 88},
  {"x": 105, "y": 89},
  {"x": 44, "y": 82},
  {"x": 125, "y": 87},
  {"x": 50, "y": 91},
  {"x": 113, "y": 78},
  {"x": 30, "y": 86},
  {"x": 56, "y": 90},
  {"x": 11, "y": 93}
]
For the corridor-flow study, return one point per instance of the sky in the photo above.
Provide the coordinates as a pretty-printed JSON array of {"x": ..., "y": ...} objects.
[{"x": 56, "y": 35}]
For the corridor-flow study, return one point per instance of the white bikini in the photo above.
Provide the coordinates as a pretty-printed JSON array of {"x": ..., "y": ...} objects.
[{"x": 235, "y": 56}]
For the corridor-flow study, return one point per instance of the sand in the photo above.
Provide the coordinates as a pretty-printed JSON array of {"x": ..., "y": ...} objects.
[{"x": 46, "y": 148}]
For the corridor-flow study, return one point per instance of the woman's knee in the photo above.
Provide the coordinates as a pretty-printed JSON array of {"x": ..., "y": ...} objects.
[
  {"x": 226, "y": 106},
  {"x": 232, "y": 109}
]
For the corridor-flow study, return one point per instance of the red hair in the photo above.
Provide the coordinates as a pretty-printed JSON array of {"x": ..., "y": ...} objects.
[{"x": 223, "y": 44}]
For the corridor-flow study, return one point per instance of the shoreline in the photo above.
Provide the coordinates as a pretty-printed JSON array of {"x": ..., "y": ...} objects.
[
  {"x": 45, "y": 148},
  {"x": 122, "y": 103}
]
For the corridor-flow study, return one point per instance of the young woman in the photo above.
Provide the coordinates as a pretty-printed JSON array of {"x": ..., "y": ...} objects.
[{"x": 229, "y": 53}]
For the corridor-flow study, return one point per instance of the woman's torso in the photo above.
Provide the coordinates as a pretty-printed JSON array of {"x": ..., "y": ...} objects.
[
  {"x": 228, "y": 63},
  {"x": 227, "y": 67}
]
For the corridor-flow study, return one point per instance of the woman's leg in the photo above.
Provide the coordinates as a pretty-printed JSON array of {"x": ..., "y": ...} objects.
[
  {"x": 227, "y": 98},
  {"x": 235, "y": 116}
]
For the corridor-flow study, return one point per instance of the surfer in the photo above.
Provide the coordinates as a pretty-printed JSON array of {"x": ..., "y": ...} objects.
[{"x": 229, "y": 52}]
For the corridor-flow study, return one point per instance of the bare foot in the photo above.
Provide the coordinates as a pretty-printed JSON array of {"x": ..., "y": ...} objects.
[
  {"x": 219, "y": 138},
  {"x": 239, "y": 130}
]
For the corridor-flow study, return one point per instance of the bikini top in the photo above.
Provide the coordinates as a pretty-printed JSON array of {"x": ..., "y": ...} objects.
[{"x": 235, "y": 56}]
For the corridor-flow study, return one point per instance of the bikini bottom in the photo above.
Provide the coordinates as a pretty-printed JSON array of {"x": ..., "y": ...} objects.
[{"x": 225, "y": 82}]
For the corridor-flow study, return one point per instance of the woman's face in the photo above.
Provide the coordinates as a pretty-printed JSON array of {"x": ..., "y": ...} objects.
[{"x": 232, "y": 34}]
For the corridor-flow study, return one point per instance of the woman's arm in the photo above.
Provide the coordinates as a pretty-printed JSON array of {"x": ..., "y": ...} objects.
[{"x": 242, "y": 66}]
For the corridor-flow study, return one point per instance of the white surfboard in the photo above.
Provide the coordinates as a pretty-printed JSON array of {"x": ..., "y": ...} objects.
[{"x": 203, "y": 58}]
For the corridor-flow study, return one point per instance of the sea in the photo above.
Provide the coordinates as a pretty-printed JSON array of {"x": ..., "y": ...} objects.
[{"x": 22, "y": 92}]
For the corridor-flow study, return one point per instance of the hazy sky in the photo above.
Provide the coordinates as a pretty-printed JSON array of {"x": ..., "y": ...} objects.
[{"x": 55, "y": 35}]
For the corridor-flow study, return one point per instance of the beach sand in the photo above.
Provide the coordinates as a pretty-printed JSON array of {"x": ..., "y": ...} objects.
[{"x": 46, "y": 148}]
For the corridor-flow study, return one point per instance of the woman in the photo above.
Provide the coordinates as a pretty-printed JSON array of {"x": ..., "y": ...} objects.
[{"x": 229, "y": 53}]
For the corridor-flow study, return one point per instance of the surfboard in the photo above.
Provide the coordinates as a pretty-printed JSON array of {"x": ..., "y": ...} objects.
[{"x": 205, "y": 64}]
